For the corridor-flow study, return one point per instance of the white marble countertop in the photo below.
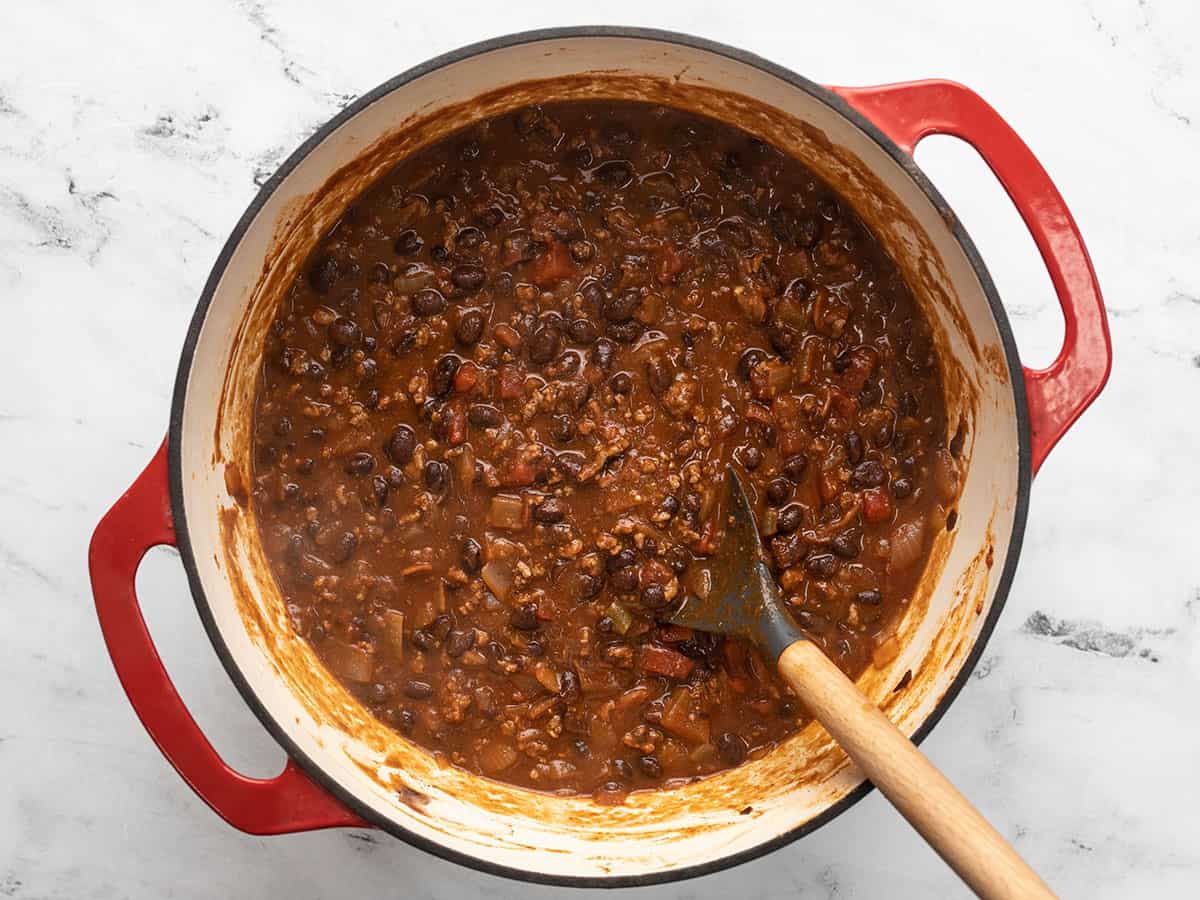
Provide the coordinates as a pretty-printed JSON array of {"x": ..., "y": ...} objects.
[{"x": 132, "y": 135}]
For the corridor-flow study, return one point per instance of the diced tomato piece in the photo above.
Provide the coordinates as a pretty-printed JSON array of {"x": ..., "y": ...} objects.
[
  {"x": 654, "y": 572},
  {"x": 792, "y": 442},
  {"x": 862, "y": 364},
  {"x": 455, "y": 419},
  {"x": 552, "y": 266},
  {"x": 666, "y": 662},
  {"x": 843, "y": 405},
  {"x": 877, "y": 505},
  {"x": 466, "y": 378},
  {"x": 520, "y": 473},
  {"x": 512, "y": 382},
  {"x": 756, "y": 412},
  {"x": 671, "y": 262},
  {"x": 675, "y": 634}
]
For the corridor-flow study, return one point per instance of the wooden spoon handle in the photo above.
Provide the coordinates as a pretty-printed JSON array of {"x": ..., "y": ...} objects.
[{"x": 922, "y": 794}]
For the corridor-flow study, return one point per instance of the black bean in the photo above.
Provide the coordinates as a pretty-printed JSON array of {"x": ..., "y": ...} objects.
[
  {"x": 870, "y": 394},
  {"x": 579, "y": 156},
  {"x": 562, "y": 429},
  {"x": 678, "y": 559},
  {"x": 468, "y": 238},
  {"x": 468, "y": 277},
  {"x": 625, "y": 332},
  {"x": 670, "y": 504},
  {"x": 621, "y": 383},
  {"x": 622, "y": 559},
  {"x": 401, "y": 444},
  {"x": 908, "y": 405},
  {"x": 821, "y": 565},
  {"x": 790, "y": 518},
  {"x": 441, "y": 382},
  {"x": 565, "y": 366},
  {"x": 621, "y": 307},
  {"x": 439, "y": 253},
  {"x": 345, "y": 546},
  {"x": 870, "y": 598},
  {"x": 344, "y": 332},
  {"x": 423, "y": 639},
  {"x": 847, "y": 544},
  {"x": 543, "y": 344},
  {"x": 650, "y": 766},
  {"x": 428, "y": 302},
  {"x": 360, "y": 464},
  {"x": 616, "y": 173},
  {"x": 324, "y": 274},
  {"x": 794, "y": 466},
  {"x": 525, "y": 617},
  {"x": 653, "y": 596},
  {"x": 483, "y": 415},
  {"x": 418, "y": 690},
  {"x": 490, "y": 217},
  {"x": 441, "y": 626},
  {"x": 588, "y": 585},
  {"x": 436, "y": 475},
  {"x": 778, "y": 491},
  {"x": 469, "y": 329},
  {"x": 854, "y": 448},
  {"x": 658, "y": 375},
  {"x": 784, "y": 338},
  {"x": 602, "y": 354},
  {"x": 869, "y": 473},
  {"x": 550, "y": 511},
  {"x": 339, "y": 356},
  {"x": 283, "y": 427},
  {"x": 409, "y": 243},
  {"x": 379, "y": 487},
  {"x": 405, "y": 341},
  {"x": 731, "y": 748},
  {"x": 624, "y": 581},
  {"x": 748, "y": 360},
  {"x": 751, "y": 458},
  {"x": 623, "y": 769},
  {"x": 459, "y": 642},
  {"x": 901, "y": 488},
  {"x": 472, "y": 556},
  {"x": 583, "y": 331},
  {"x": 306, "y": 466}
]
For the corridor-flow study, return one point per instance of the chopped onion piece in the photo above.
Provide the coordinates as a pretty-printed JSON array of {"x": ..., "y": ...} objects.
[
  {"x": 498, "y": 576},
  {"x": 348, "y": 661}
]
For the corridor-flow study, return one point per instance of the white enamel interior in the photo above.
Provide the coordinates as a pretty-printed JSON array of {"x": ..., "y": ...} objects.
[{"x": 657, "y": 832}]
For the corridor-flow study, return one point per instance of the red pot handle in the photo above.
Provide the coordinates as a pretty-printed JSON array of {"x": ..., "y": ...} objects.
[
  {"x": 1057, "y": 395},
  {"x": 141, "y": 519}
]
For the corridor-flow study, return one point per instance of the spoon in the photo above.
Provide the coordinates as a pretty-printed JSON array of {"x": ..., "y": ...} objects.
[{"x": 745, "y": 602}]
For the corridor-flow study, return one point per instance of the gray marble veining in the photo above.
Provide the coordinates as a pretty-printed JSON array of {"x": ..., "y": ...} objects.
[{"x": 133, "y": 135}]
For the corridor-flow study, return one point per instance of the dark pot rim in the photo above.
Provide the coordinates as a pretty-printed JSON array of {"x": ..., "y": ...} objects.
[{"x": 280, "y": 733}]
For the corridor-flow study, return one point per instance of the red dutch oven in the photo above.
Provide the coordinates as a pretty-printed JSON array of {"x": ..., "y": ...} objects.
[{"x": 347, "y": 769}]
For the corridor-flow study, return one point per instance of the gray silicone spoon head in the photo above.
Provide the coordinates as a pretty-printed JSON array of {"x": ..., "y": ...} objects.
[{"x": 743, "y": 600}]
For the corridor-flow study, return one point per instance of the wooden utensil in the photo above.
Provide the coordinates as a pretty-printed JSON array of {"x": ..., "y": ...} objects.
[{"x": 744, "y": 601}]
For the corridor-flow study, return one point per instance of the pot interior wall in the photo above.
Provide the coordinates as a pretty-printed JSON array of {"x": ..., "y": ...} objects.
[{"x": 395, "y": 782}]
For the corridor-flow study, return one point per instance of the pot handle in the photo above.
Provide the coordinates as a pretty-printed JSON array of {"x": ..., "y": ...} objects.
[
  {"x": 1057, "y": 395},
  {"x": 141, "y": 519}
]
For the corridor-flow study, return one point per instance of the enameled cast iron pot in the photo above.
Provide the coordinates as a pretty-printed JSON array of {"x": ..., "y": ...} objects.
[{"x": 344, "y": 768}]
